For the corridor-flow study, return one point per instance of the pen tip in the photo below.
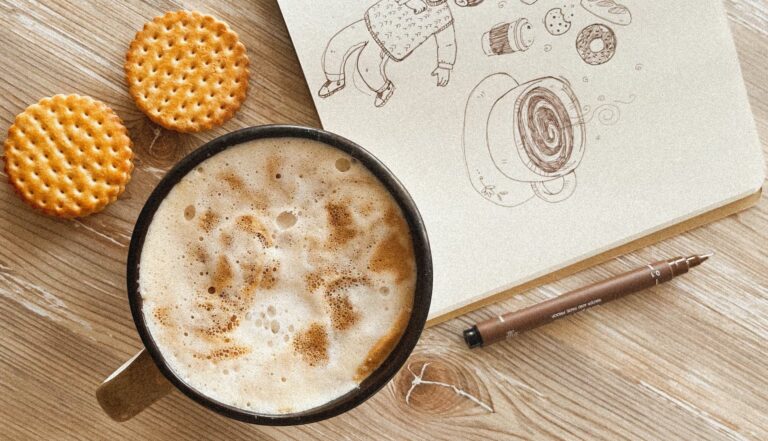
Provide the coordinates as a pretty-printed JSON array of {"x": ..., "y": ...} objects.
[
  {"x": 698, "y": 259},
  {"x": 706, "y": 256}
]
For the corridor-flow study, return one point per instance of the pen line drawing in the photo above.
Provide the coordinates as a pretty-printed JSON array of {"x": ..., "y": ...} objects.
[
  {"x": 523, "y": 140},
  {"x": 631, "y": 99},
  {"x": 596, "y": 44},
  {"x": 391, "y": 30},
  {"x": 609, "y": 11},
  {"x": 508, "y": 38},
  {"x": 607, "y": 114},
  {"x": 557, "y": 20}
]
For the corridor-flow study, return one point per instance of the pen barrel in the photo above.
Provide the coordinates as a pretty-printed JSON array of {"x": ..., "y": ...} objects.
[{"x": 514, "y": 323}]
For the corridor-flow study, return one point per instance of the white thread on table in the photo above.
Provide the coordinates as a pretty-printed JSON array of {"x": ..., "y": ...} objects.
[
  {"x": 419, "y": 379},
  {"x": 157, "y": 132},
  {"x": 517, "y": 384}
]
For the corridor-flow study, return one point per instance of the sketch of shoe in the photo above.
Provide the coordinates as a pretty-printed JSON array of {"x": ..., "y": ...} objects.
[
  {"x": 384, "y": 95},
  {"x": 331, "y": 87}
]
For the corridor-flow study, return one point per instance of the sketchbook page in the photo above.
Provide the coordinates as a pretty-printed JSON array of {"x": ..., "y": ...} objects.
[{"x": 535, "y": 134}]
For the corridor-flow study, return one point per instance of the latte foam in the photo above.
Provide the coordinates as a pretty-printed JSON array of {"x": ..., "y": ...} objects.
[{"x": 277, "y": 275}]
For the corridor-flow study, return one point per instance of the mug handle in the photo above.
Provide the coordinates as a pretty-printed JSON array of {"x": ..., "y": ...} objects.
[
  {"x": 569, "y": 186},
  {"x": 133, "y": 387}
]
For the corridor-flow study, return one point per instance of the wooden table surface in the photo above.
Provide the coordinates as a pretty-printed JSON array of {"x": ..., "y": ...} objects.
[{"x": 685, "y": 361}]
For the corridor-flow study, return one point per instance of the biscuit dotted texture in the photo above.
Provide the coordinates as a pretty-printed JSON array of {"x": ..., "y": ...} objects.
[
  {"x": 187, "y": 71},
  {"x": 68, "y": 156}
]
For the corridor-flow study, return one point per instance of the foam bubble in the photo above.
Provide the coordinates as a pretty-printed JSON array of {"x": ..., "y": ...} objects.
[
  {"x": 286, "y": 220},
  {"x": 189, "y": 212},
  {"x": 343, "y": 164}
]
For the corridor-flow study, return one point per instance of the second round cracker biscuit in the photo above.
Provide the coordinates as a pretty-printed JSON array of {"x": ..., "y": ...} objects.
[{"x": 187, "y": 71}]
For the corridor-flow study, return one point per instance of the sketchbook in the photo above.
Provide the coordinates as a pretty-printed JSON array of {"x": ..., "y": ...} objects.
[{"x": 537, "y": 137}]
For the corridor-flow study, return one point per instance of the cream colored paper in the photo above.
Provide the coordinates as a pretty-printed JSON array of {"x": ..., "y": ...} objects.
[{"x": 659, "y": 133}]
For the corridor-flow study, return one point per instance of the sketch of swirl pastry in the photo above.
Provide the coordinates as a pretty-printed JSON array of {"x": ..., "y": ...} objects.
[
  {"x": 545, "y": 129},
  {"x": 523, "y": 140}
]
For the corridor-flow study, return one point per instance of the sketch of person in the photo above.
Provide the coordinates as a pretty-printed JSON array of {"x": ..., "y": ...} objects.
[{"x": 390, "y": 30}]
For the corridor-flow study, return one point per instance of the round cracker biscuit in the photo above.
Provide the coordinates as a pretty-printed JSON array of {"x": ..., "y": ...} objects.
[
  {"x": 187, "y": 71},
  {"x": 68, "y": 155}
]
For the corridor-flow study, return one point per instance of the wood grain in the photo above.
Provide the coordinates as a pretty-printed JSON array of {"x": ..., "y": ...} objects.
[{"x": 684, "y": 361}]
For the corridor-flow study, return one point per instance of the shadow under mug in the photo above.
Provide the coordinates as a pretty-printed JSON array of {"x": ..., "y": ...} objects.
[{"x": 146, "y": 377}]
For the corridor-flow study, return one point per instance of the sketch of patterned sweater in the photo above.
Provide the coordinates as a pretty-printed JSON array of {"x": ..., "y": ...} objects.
[{"x": 390, "y": 30}]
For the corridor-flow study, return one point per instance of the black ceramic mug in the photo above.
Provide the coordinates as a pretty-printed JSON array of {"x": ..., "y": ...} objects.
[{"x": 146, "y": 377}]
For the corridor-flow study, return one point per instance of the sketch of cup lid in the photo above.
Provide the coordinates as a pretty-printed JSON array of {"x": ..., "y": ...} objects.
[{"x": 523, "y": 34}]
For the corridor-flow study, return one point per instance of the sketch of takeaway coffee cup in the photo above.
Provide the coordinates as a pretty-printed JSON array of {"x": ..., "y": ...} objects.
[
  {"x": 508, "y": 38},
  {"x": 523, "y": 140}
]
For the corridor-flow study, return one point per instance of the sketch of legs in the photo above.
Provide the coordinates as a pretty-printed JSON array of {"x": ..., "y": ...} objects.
[
  {"x": 345, "y": 43},
  {"x": 372, "y": 64}
]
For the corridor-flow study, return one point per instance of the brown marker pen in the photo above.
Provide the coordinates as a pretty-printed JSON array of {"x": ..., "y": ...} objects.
[{"x": 514, "y": 323}]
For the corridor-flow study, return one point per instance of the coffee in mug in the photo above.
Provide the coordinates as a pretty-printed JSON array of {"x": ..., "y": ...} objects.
[{"x": 277, "y": 275}]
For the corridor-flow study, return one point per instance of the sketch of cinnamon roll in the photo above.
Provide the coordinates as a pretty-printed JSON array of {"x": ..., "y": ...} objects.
[{"x": 523, "y": 140}]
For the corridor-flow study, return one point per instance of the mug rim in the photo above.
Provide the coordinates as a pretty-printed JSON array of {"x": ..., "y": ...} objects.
[{"x": 422, "y": 293}]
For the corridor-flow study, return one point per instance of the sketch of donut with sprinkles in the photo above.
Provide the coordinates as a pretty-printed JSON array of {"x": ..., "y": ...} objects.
[{"x": 596, "y": 44}]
